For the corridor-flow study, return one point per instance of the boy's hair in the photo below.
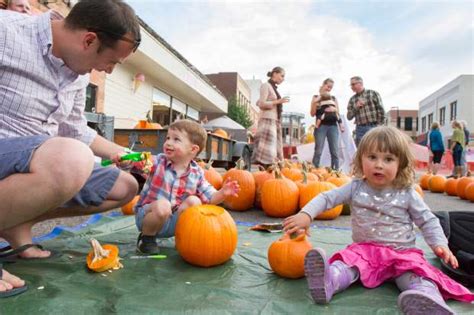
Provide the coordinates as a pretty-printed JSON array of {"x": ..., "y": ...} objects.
[
  {"x": 109, "y": 19},
  {"x": 325, "y": 96},
  {"x": 195, "y": 132},
  {"x": 435, "y": 125},
  {"x": 392, "y": 140}
]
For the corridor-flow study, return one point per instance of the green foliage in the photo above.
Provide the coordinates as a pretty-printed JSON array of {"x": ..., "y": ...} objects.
[{"x": 238, "y": 113}]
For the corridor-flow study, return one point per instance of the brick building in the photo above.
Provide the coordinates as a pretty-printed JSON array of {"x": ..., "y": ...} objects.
[{"x": 404, "y": 119}]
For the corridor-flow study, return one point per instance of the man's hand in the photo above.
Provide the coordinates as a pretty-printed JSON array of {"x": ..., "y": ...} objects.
[
  {"x": 446, "y": 255},
  {"x": 299, "y": 221},
  {"x": 230, "y": 188},
  {"x": 115, "y": 158}
]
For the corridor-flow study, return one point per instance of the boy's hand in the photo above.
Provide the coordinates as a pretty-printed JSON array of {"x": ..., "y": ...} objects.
[
  {"x": 299, "y": 221},
  {"x": 445, "y": 254},
  {"x": 230, "y": 188}
]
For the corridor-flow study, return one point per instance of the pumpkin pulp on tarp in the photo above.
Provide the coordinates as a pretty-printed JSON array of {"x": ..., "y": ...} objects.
[{"x": 103, "y": 258}]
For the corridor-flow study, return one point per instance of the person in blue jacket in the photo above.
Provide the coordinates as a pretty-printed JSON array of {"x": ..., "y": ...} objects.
[{"x": 436, "y": 146}]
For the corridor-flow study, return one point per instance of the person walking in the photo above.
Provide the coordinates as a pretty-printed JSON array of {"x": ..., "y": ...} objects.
[
  {"x": 268, "y": 142},
  {"x": 436, "y": 146},
  {"x": 366, "y": 107},
  {"x": 457, "y": 147}
]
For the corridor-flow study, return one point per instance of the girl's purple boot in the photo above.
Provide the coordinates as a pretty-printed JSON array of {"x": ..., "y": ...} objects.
[
  {"x": 423, "y": 299},
  {"x": 325, "y": 280}
]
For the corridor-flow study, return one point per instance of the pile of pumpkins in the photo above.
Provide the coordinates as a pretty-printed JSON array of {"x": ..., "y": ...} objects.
[
  {"x": 281, "y": 190},
  {"x": 462, "y": 187}
]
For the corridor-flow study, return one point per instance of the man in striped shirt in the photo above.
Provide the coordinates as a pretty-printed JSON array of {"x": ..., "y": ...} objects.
[
  {"x": 47, "y": 151},
  {"x": 366, "y": 107}
]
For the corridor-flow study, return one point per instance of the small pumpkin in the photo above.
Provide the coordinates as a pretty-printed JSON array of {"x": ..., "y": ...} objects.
[
  {"x": 221, "y": 133},
  {"x": 212, "y": 175},
  {"x": 462, "y": 184},
  {"x": 127, "y": 209},
  {"x": 286, "y": 255},
  {"x": 436, "y": 183},
  {"x": 279, "y": 196},
  {"x": 246, "y": 197},
  {"x": 424, "y": 181},
  {"x": 260, "y": 178},
  {"x": 451, "y": 186},
  {"x": 103, "y": 258},
  {"x": 206, "y": 235},
  {"x": 339, "y": 179},
  {"x": 418, "y": 190},
  {"x": 312, "y": 190},
  {"x": 469, "y": 192}
]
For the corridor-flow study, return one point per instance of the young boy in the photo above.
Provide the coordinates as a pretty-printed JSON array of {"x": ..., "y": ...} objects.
[
  {"x": 175, "y": 183},
  {"x": 330, "y": 117}
]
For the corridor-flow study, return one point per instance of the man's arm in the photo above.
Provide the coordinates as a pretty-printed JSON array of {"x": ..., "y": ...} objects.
[
  {"x": 351, "y": 109},
  {"x": 379, "y": 108}
]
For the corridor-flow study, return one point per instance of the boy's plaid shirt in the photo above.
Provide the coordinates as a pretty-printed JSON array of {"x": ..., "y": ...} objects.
[
  {"x": 371, "y": 113},
  {"x": 163, "y": 183}
]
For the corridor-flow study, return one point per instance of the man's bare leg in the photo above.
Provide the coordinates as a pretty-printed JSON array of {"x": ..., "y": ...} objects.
[{"x": 124, "y": 189}]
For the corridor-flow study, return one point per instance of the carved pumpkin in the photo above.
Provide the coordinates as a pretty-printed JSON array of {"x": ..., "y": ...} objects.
[
  {"x": 206, "y": 235},
  {"x": 279, "y": 196},
  {"x": 424, "y": 180},
  {"x": 286, "y": 255},
  {"x": 246, "y": 197},
  {"x": 451, "y": 186},
  {"x": 103, "y": 258},
  {"x": 470, "y": 192},
  {"x": 417, "y": 189},
  {"x": 312, "y": 190},
  {"x": 462, "y": 184},
  {"x": 260, "y": 178},
  {"x": 212, "y": 175},
  {"x": 127, "y": 209},
  {"x": 220, "y": 133},
  {"x": 436, "y": 183}
]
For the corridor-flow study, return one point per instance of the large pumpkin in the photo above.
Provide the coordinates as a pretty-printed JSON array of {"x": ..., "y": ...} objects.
[
  {"x": 424, "y": 180},
  {"x": 279, "y": 196},
  {"x": 462, "y": 184},
  {"x": 286, "y": 256},
  {"x": 436, "y": 183},
  {"x": 312, "y": 190},
  {"x": 451, "y": 186},
  {"x": 469, "y": 192},
  {"x": 127, "y": 209},
  {"x": 211, "y": 175},
  {"x": 339, "y": 179},
  {"x": 103, "y": 258},
  {"x": 260, "y": 178},
  {"x": 246, "y": 197},
  {"x": 206, "y": 235}
]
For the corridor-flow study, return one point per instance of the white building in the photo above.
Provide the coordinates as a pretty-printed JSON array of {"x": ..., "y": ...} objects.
[
  {"x": 254, "y": 86},
  {"x": 455, "y": 100},
  {"x": 158, "y": 79}
]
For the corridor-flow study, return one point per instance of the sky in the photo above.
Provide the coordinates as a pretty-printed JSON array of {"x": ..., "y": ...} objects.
[{"x": 405, "y": 50}]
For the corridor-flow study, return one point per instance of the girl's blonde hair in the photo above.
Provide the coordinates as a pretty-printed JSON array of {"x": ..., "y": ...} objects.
[
  {"x": 435, "y": 125},
  {"x": 457, "y": 124},
  {"x": 392, "y": 140}
]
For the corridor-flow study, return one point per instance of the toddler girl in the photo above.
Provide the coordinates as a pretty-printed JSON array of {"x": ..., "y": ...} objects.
[{"x": 384, "y": 207}]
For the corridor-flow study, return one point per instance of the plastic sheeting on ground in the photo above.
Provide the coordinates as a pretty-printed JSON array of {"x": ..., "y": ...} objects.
[{"x": 244, "y": 285}]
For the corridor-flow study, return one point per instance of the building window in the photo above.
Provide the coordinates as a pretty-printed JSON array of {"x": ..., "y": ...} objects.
[
  {"x": 423, "y": 124},
  {"x": 192, "y": 113},
  {"x": 442, "y": 116},
  {"x": 178, "y": 110},
  {"x": 399, "y": 122},
  {"x": 161, "y": 107},
  {"x": 417, "y": 123},
  {"x": 91, "y": 98},
  {"x": 453, "y": 108},
  {"x": 408, "y": 123},
  {"x": 430, "y": 120}
]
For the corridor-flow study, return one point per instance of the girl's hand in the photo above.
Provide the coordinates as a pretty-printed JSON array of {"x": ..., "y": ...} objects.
[
  {"x": 299, "y": 221},
  {"x": 445, "y": 254},
  {"x": 230, "y": 188}
]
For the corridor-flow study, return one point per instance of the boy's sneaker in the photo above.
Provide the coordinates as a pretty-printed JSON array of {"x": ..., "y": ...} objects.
[{"x": 147, "y": 245}]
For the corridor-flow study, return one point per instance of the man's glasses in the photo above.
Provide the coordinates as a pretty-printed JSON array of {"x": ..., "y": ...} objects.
[
  {"x": 354, "y": 83},
  {"x": 116, "y": 36}
]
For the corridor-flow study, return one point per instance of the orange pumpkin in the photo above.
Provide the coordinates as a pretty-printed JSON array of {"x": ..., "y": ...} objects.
[
  {"x": 206, "y": 235},
  {"x": 470, "y": 192},
  {"x": 127, "y": 209},
  {"x": 260, "y": 178},
  {"x": 211, "y": 175},
  {"x": 339, "y": 179},
  {"x": 221, "y": 133},
  {"x": 286, "y": 255},
  {"x": 436, "y": 183},
  {"x": 145, "y": 124},
  {"x": 417, "y": 189},
  {"x": 312, "y": 190},
  {"x": 424, "y": 180},
  {"x": 462, "y": 184},
  {"x": 451, "y": 186},
  {"x": 103, "y": 258},
  {"x": 246, "y": 197},
  {"x": 279, "y": 196}
]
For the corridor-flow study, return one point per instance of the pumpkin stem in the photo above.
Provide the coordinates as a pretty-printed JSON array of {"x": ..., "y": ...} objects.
[
  {"x": 240, "y": 164},
  {"x": 277, "y": 172},
  {"x": 261, "y": 168},
  {"x": 99, "y": 251},
  {"x": 209, "y": 164}
]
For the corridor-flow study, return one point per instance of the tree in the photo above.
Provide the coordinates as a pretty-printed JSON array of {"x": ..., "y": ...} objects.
[{"x": 239, "y": 114}]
